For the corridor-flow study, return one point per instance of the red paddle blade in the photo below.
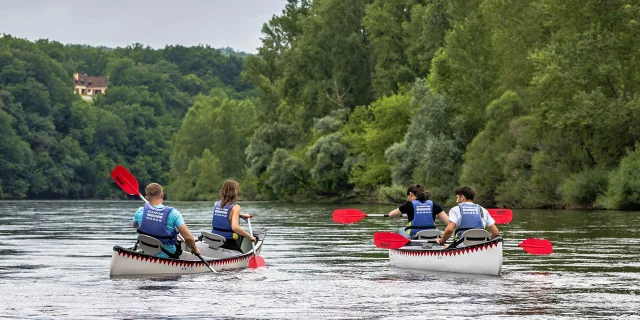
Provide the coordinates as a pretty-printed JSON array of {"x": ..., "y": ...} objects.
[
  {"x": 536, "y": 246},
  {"x": 389, "y": 240},
  {"x": 347, "y": 216},
  {"x": 125, "y": 180},
  {"x": 501, "y": 216},
  {"x": 256, "y": 262}
]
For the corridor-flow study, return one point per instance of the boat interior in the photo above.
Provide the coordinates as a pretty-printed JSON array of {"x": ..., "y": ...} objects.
[
  {"x": 210, "y": 245},
  {"x": 426, "y": 239}
]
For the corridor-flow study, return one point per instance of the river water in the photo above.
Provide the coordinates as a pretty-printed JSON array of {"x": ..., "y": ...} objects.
[{"x": 55, "y": 256}]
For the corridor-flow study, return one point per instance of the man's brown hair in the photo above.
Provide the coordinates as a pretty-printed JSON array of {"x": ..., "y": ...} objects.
[
  {"x": 467, "y": 192},
  {"x": 153, "y": 190}
]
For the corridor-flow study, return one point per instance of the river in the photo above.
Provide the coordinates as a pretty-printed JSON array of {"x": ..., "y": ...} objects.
[{"x": 55, "y": 256}]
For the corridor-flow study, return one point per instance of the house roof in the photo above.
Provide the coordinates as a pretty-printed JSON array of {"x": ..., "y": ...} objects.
[{"x": 92, "y": 82}]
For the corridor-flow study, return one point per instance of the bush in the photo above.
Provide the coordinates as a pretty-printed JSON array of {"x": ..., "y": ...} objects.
[
  {"x": 394, "y": 193},
  {"x": 624, "y": 184},
  {"x": 582, "y": 189}
]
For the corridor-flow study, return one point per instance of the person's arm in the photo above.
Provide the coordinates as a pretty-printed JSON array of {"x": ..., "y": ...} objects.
[
  {"x": 494, "y": 231},
  {"x": 395, "y": 213},
  {"x": 440, "y": 213},
  {"x": 454, "y": 219},
  {"x": 245, "y": 216},
  {"x": 447, "y": 233},
  {"x": 444, "y": 218},
  {"x": 235, "y": 223},
  {"x": 404, "y": 208},
  {"x": 488, "y": 220},
  {"x": 188, "y": 238},
  {"x": 137, "y": 218}
]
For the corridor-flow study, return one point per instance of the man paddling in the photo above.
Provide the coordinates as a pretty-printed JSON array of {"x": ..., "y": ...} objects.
[
  {"x": 467, "y": 215},
  {"x": 421, "y": 212},
  {"x": 163, "y": 223}
]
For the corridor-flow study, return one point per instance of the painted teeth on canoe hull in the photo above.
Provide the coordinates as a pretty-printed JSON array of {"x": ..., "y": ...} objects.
[{"x": 485, "y": 258}]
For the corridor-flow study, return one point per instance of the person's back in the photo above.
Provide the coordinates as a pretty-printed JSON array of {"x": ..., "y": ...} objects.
[
  {"x": 470, "y": 216},
  {"x": 467, "y": 215},
  {"x": 421, "y": 212},
  {"x": 226, "y": 214},
  {"x": 221, "y": 221},
  {"x": 161, "y": 222}
]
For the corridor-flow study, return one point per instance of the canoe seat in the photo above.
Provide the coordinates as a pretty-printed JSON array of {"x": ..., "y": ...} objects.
[
  {"x": 475, "y": 236},
  {"x": 214, "y": 241},
  {"x": 149, "y": 245},
  {"x": 428, "y": 235}
]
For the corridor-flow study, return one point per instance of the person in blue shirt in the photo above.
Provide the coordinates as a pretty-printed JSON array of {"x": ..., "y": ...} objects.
[
  {"x": 163, "y": 223},
  {"x": 226, "y": 217}
]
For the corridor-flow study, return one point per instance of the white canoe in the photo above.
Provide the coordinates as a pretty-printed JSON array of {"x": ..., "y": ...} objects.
[
  {"x": 484, "y": 258},
  {"x": 129, "y": 262}
]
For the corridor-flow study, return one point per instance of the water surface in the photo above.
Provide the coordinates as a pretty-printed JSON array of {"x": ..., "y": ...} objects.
[{"x": 55, "y": 256}]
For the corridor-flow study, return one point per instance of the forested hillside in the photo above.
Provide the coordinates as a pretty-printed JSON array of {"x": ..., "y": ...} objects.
[
  {"x": 55, "y": 145},
  {"x": 533, "y": 102}
]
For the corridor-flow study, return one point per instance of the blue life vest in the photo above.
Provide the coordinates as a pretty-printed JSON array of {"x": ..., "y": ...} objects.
[
  {"x": 220, "y": 222},
  {"x": 154, "y": 224},
  {"x": 422, "y": 217},
  {"x": 471, "y": 217}
]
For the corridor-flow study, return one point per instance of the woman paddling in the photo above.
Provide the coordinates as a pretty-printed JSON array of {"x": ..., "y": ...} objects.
[
  {"x": 421, "y": 212},
  {"x": 226, "y": 216}
]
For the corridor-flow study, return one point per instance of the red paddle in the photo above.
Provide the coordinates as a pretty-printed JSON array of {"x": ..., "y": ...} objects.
[
  {"x": 129, "y": 184},
  {"x": 392, "y": 240},
  {"x": 349, "y": 216},
  {"x": 501, "y": 216},
  {"x": 256, "y": 261},
  {"x": 536, "y": 246},
  {"x": 126, "y": 181}
]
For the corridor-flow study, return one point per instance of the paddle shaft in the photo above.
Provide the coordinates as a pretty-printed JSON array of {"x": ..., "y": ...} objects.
[
  {"x": 503, "y": 244},
  {"x": 199, "y": 256},
  {"x": 253, "y": 245}
]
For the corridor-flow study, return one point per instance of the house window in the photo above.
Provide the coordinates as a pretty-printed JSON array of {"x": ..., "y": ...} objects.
[{"x": 82, "y": 91}]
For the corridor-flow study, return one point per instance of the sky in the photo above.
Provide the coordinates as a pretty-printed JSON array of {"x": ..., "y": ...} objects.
[{"x": 118, "y": 23}]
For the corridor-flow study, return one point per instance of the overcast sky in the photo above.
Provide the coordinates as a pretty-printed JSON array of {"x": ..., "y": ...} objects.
[{"x": 113, "y": 23}]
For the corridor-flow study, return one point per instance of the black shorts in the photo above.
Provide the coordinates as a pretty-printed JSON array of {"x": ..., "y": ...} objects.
[{"x": 233, "y": 244}]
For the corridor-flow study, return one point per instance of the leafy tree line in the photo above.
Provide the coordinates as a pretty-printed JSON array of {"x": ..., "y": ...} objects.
[
  {"x": 532, "y": 102},
  {"x": 55, "y": 145}
]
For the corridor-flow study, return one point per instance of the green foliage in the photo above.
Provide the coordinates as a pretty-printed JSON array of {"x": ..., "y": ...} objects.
[
  {"x": 431, "y": 151},
  {"x": 487, "y": 151},
  {"x": 210, "y": 145},
  {"x": 393, "y": 193},
  {"x": 287, "y": 175},
  {"x": 372, "y": 130},
  {"x": 54, "y": 145},
  {"x": 531, "y": 102},
  {"x": 624, "y": 184},
  {"x": 15, "y": 159},
  {"x": 582, "y": 189}
]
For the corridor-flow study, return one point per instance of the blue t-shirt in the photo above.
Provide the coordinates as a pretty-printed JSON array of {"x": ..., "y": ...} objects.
[{"x": 173, "y": 222}]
